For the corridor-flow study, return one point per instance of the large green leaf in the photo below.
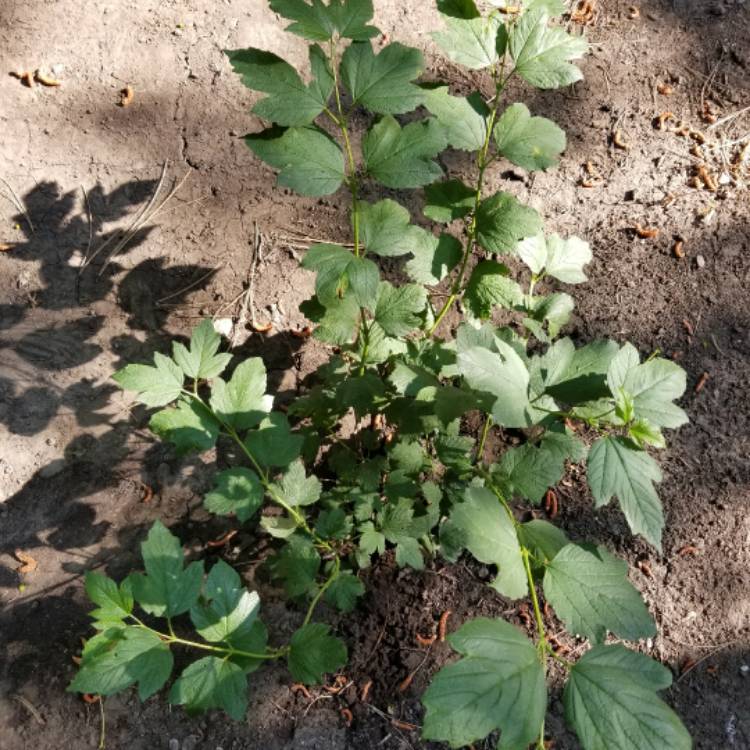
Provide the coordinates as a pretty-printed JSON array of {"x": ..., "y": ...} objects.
[
  {"x": 115, "y": 602},
  {"x": 529, "y": 470},
  {"x": 154, "y": 386},
  {"x": 612, "y": 704},
  {"x": 490, "y": 536},
  {"x": 337, "y": 322},
  {"x": 228, "y": 611},
  {"x": 309, "y": 160},
  {"x": 464, "y": 119},
  {"x": 189, "y": 426},
  {"x": 399, "y": 308},
  {"x": 273, "y": 443},
  {"x": 211, "y": 682},
  {"x": 297, "y": 488},
  {"x": 434, "y": 258},
  {"x": 383, "y": 83},
  {"x": 120, "y": 657},
  {"x": 499, "y": 684},
  {"x": 242, "y": 402},
  {"x": 653, "y": 386},
  {"x": 563, "y": 259},
  {"x": 202, "y": 360},
  {"x": 339, "y": 272},
  {"x": 589, "y": 590},
  {"x": 490, "y": 285},
  {"x": 469, "y": 38},
  {"x": 530, "y": 142},
  {"x": 385, "y": 229},
  {"x": 579, "y": 375},
  {"x": 542, "y": 53},
  {"x": 403, "y": 157},
  {"x": 344, "y": 592},
  {"x": 319, "y": 22},
  {"x": 237, "y": 491},
  {"x": 617, "y": 467},
  {"x": 315, "y": 652},
  {"x": 290, "y": 101},
  {"x": 296, "y": 565},
  {"x": 449, "y": 200},
  {"x": 502, "y": 374},
  {"x": 542, "y": 539},
  {"x": 167, "y": 588},
  {"x": 502, "y": 221}
]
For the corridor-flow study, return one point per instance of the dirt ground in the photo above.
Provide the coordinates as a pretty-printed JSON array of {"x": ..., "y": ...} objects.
[{"x": 74, "y": 457}]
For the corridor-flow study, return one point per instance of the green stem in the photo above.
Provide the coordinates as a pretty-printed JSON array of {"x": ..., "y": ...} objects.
[
  {"x": 170, "y": 638},
  {"x": 331, "y": 578},
  {"x": 482, "y": 163},
  {"x": 352, "y": 183},
  {"x": 483, "y": 439}
]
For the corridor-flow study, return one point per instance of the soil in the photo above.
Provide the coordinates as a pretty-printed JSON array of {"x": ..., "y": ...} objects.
[{"x": 76, "y": 458}]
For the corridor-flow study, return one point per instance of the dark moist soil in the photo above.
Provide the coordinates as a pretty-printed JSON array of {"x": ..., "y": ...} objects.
[{"x": 77, "y": 460}]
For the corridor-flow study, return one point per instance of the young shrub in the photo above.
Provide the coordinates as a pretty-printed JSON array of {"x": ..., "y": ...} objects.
[{"x": 409, "y": 480}]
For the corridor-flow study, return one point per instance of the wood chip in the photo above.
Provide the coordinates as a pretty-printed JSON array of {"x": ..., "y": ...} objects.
[
  {"x": 45, "y": 80},
  {"x": 660, "y": 123},
  {"x": 365, "y": 691},
  {"x": 688, "y": 549},
  {"x": 645, "y": 568},
  {"x": 619, "y": 142},
  {"x": 678, "y": 249},
  {"x": 405, "y": 725},
  {"x": 29, "y": 563},
  {"x": 5, "y": 247},
  {"x": 665, "y": 89},
  {"x": 702, "y": 380},
  {"x": 646, "y": 233},
  {"x": 443, "y": 624},
  {"x": 126, "y": 96}
]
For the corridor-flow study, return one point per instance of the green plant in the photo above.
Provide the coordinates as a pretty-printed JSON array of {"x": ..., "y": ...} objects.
[{"x": 407, "y": 478}]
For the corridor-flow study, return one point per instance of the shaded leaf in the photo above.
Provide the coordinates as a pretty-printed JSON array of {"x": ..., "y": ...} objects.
[
  {"x": 211, "y": 682},
  {"x": 315, "y": 652},
  {"x": 449, "y": 200},
  {"x": 237, "y": 491}
]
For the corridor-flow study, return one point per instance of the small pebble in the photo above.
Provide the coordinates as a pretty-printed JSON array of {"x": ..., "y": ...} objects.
[{"x": 700, "y": 261}]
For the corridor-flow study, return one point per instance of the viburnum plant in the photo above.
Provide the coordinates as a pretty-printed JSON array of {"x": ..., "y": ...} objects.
[{"x": 408, "y": 479}]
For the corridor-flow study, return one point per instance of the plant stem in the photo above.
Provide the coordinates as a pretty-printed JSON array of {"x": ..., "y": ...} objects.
[
  {"x": 169, "y": 639},
  {"x": 353, "y": 184},
  {"x": 482, "y": 163},
  {"x": 483, "y": 439},
  {"x": 534, "y": 600},
  {"x": 331, "y": 578}
]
